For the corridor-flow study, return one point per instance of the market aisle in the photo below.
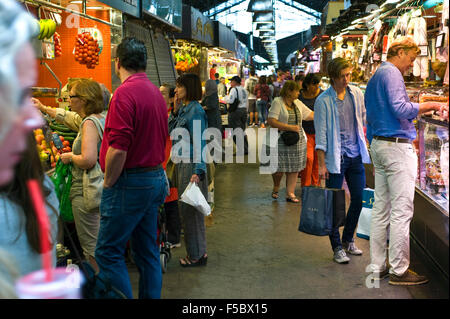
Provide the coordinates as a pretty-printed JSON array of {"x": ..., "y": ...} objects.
[{"x": 256, "y": 251}]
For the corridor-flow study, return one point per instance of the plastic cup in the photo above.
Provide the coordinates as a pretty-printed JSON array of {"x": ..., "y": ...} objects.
[{"x": 66, "y": 283}]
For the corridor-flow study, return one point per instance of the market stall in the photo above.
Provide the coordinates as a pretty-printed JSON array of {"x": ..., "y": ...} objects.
[
  {"x": 223, "y": 54},
  {"x": 75, "y": 41},
  {"x": 158, "y": 20},
  {"x": 427, "y": 23}
]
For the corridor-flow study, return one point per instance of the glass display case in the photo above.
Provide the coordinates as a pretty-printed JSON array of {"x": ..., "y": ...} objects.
[{"x": 432, "y": 145}]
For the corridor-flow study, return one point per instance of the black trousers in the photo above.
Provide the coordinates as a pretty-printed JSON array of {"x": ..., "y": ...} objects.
[
  {"x": 173, "y": 222},
  {"x": 238, "y": 119}
]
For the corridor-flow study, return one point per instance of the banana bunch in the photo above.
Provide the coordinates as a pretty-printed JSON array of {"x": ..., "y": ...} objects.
[{"x": 47, "y": 28}]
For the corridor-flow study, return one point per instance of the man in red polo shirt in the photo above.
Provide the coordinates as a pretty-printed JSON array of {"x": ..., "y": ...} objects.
[{"x": 135, "y": 184}]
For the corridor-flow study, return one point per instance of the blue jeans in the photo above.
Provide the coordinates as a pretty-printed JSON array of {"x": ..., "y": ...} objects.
[
  {"x": 129, "y": 210},
  {"x": 261, "y": 107},
  {"x": 353, "y": 171}
]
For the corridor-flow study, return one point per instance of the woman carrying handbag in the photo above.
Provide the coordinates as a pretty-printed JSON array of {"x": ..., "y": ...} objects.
[
  {"x": 87, "y": 178},
  {"x": 286, "y": 114}
]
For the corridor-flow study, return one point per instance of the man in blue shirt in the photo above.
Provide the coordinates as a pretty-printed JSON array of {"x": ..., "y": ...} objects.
[
  {"x": 341, "y": 148},
  {"x": 390, "y": 130}
]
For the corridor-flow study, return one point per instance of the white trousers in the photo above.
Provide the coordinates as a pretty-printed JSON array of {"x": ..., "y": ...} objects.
[{"x": 395, "y": 176}]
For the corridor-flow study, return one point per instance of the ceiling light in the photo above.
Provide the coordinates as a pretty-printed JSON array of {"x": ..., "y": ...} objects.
[{"x": 94, "y": 8}]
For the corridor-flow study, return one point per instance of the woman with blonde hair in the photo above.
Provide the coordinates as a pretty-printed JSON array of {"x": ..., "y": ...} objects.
[{"x": 86, "y": 100}]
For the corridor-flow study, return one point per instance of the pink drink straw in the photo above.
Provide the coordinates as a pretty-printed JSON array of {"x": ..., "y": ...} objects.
[{"x": 44, "y": 226}]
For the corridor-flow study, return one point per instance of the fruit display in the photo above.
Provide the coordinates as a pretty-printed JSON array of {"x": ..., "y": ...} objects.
[
  {"x": 63, "y": 131},
  {"x": 57, "y": 41},
  {"x": 186, "y": 58},
  {"x": 51, "y": 150},
  {"x": 87, "y": 50},
  {"x": 47, "y": 28}
]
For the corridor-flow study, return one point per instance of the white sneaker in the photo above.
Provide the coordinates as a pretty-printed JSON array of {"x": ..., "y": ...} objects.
[
  {"x": 340, "y": 256},
  {"x": 352, "y": 249}
]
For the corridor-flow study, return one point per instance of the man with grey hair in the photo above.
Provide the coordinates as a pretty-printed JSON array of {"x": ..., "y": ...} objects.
[{"x": 390, "y": 130}]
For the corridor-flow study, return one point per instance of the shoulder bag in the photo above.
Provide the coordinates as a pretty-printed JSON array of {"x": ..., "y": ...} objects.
[
  {"x": 233, "y": 106},
  {"x": 93, "y": 177},
  {"x": 289, "y": 137}
]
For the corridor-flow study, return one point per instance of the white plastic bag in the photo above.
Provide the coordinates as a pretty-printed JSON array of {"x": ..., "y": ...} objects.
[{"x": 193, "y": 196}]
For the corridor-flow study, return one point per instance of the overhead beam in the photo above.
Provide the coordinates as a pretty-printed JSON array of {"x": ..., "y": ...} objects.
[{"x": 223, "y": 7}]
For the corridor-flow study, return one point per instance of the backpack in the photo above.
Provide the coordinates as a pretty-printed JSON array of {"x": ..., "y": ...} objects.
[
  {"x": 233, "y": 106},
  {"x": 251, "y": 85}
]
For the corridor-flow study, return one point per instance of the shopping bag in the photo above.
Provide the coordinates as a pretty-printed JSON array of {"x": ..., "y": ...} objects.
[
  {"x": 62, "y": 179},
  {"x": 317, "y": 211},
  {"x": 338, "y": 208},
  {"x": 193, "y": 196},
  {"x": 363, "y": 229}
]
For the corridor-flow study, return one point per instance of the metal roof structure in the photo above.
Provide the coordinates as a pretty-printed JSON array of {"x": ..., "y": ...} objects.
[
  {"x": 263, "y": 17},
  {"x": 206, "y": 5}
]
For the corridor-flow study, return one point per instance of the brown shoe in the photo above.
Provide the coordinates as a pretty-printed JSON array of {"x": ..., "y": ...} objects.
[
  {"x": 409, "y": 278},
  {"x": 381, "y": 275}
]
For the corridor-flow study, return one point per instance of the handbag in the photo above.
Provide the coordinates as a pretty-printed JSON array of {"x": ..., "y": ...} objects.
[
  {"x": 93, "y": 186},
  {"x": 317, "y": 211},
  {"x": 290, "y": 138},
  {"x": 93, "y": 178}
]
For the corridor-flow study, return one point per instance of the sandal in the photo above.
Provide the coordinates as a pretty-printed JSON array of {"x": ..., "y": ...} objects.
[
  {"x": 293, "y": 199},
  {"x": 188, "y": 262},
  {"x": 275, "y": 195}
]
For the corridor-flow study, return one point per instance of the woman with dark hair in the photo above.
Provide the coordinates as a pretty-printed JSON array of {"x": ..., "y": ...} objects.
[
  {"x": 210, "y": 104},
  {"x": 19, "y": 231},
  {"x": 190, "y": 166},
  {"x": 310, "y": 91}
]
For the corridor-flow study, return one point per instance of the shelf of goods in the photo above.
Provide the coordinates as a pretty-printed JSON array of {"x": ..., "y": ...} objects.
[
  {"x": 432, "y": 148},
  {"x": 52, "y": 140}
]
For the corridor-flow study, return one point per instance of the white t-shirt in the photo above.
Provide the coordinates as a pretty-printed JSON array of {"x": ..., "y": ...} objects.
[
  {"x": 279, "y": 111},
  {"x": 247, "y": 82}
]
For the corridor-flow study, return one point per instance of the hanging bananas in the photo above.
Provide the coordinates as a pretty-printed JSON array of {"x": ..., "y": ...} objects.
[{"x": 47, "y": 28}]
